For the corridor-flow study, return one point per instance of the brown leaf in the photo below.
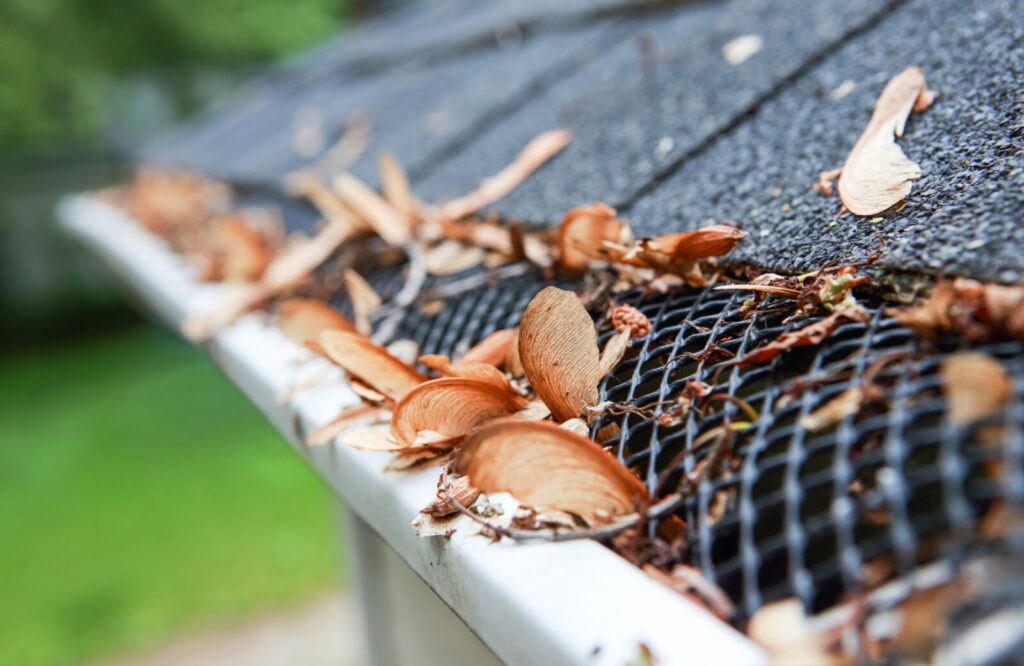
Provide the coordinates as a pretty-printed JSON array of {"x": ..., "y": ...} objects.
[
  {"x": 451, "y": 406},
  {"x": 493, "y": 349},
  {"x": 559, "y": 353},
  {"x": 395, "y": 186},
  {"x": 472, "y": 370},
  {"x": 458, "y": 488},
  {"x": 370, "y": 363},
  {"x": 289, "y": 267},
  {"x": 302, "y": 320},
  {"x": 614, "y": 350},
  {"x": 327, "y": 203},
  {"x": 810, "y": 335},
  {"x": 241, "y": 252},
  {"x": 537, "y": 152},
  {"x": 349, "y": 417},
  {"x": 450, "y": 257},
  {"x": 481, "y": 234},
  {"x": 835, "y": 410},
  {"x": 418, "y": 457},
  {"x": 976, "y": 311},
  {"x": 711, "y": 241},
  {"x": 783, "y": 629},
  {"x": 543, "y": 465},
  {"x": 975, "y": 385},
  {"x": 375, "y": 438},
  {"x": 364, "y": 299},
  {"x": 381, "y": 216},
  {"x": 877, "y": 174},
  {"x": 513, "y": 363},
  {"x": 583, "y": 234}
]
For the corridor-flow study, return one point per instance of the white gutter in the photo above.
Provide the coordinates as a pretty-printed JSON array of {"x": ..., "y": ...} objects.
[{"x": 574, "y": 602}]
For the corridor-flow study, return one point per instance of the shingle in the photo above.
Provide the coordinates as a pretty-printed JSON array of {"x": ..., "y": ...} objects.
[{"x": 965, "y": 214}]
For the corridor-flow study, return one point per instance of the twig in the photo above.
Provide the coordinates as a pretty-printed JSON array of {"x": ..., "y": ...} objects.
[{"x": 410, "y": 291}]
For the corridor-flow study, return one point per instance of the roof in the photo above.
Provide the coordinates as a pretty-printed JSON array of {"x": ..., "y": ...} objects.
[{"x": 664, "y": 128}]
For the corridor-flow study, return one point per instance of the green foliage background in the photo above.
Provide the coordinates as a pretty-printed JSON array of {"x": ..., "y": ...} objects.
[{"x": 60, "y": 60}]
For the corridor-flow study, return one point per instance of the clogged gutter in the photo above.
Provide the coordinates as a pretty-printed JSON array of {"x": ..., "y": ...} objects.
[{"x": 521, "y": 411}]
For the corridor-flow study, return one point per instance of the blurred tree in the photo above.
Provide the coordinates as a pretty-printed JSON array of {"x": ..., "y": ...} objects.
[{"x": 60, "y": 60}]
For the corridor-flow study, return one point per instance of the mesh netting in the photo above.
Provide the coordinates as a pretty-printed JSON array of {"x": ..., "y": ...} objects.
[{"x": 818, "y": 515}]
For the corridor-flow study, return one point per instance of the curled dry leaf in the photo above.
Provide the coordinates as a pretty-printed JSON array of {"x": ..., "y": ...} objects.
[
  {"x": 365, "y": 300},
  {"x": 302, "y": 320},
  {"x": 513, "y": 363},
  {"x": 877, "y": 174},
  {"x": 975, "y": 385},
  {"x": 240, "y": 251},
  {"x": 370, "y": 363},
  {"x": 783, "y": 629},
  {"x": 395, "y": 186},
  {"x": 578, "y": 426},
  {"x": 451, "y": 406},
  {"x": 976, "y": 311},
  {"x": 537, "y": 152},
  {"x": 350, "y": 416},
  {"x": 558, "y": 350},
  {"x": 585, "y": 233},
  {"x": 373, "y": 438},
  {"x": 483, "y": 371},
  {"x": 810, "y": 335},
  {"x": 450, "y": 256},
  {"x": 543, "y": 465},
  {"x": 460, "y": 490},
  {"x": 493, "y": 349},
  {"x": 846, "y": 403},
  {"x": 693, "y": 585},
  {"x": 614, "y": 350},
  {"x": 385, "y": 220}
]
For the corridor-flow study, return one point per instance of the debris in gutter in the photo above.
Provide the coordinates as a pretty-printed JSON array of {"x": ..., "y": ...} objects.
[{"x": 877, "y": 175}]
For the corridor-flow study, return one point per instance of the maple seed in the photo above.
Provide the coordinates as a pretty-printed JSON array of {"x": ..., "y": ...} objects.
[{"x": 626, "y": 317}]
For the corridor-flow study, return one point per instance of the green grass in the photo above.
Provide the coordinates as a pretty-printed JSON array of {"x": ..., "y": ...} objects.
[{"x": 140, "y": 496}]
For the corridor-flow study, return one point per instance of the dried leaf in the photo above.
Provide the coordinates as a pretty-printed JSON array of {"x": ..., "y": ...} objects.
[
  {"x": 327, "y": 203},
  {"x": 835, "y": 410},
  {"x": 692, "y": 584},
  {"x": 241, "y": 252},
  {"x": 559, "y": 353},
  {"x": 537, "y": 152},
  {"x": 370, "y": 363},
  {"x": 417, "y": 457},
  {"x": 535, "y": 411},
  {"x": 451, "y": 256},
  {"x": 740, "y": 49},
  {"x": 458, "y": 488},
  {"x": 376, "y": 438},
  {"x": 364, "y": 299},
  {"x": 810, "y": 335},
  {"x": 783, "y": 629},
  {"x": 302, "y": 320},
  {"x": 877, "y": 174},
  {"x": 614, "y": 350},
  {"x": 395, "y": 186},
  {"x": 349, "y": 417},
  {"x": 584, "y": 233},
  {"x": 513, "y": 362},
  {"x": 577, "y": 426},
  {"x": 543, "y": 465},
  {"x": 493, "y": 349},
  {"x": 975, "y": 385},
  {"x": 452, "y": 406},
  {"x": 976, "y": 311},
  {"x": 481, "y": 234},
  {"x": 481, "y": 371},
  {"x": 383, "y": 218}
]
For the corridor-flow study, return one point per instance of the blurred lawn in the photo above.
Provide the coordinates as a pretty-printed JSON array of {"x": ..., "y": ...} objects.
[{"x": 141, "y": 495}]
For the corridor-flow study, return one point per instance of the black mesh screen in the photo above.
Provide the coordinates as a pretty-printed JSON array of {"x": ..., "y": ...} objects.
[{"x": 816, "y": 515}]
